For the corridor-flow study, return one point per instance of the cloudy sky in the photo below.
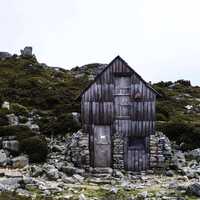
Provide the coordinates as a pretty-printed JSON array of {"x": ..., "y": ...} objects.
[{"x": 160, "y": 39}]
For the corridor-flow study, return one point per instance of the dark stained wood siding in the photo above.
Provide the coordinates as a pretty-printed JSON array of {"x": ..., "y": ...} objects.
[{"x": 98, "y": 106}]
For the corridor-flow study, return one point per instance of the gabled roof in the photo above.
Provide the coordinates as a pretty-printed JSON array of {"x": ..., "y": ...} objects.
[{"x": 126, "y": 64}]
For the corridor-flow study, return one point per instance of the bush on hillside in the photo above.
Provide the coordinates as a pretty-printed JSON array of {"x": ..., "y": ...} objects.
[
  {"x": 161, "y": 117},
  {"x": 19, "y": 109},
  {"x": 183, "y": 82},
  {"x": 21, "y": 132},
  {"x": 35, "y": 147},
  {"x": 61, "y": 125},
  {"x": 182, "y": 132},
  {"x": 3, "y": 118}
]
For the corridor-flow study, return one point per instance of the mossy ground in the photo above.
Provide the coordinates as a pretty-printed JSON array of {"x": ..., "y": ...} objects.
[{"x": 97, "y": 192}]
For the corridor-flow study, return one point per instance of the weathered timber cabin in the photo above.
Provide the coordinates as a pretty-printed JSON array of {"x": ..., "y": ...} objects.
[{"x": 118, "y": 114}]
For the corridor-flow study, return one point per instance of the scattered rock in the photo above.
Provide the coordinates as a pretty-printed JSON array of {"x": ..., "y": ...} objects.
[
  {"x": 20, "y": 161},
  {"x": 79, "y": 178},
  {"x": 82, "y": 197},
  {"x": 68, "y": 180},
  {"x": 11, "y": 145},
  {"x": 169, "y": 173},
  {"x": 194, "y": 154},
  {"x": 113, "y": 190},
  {"x": 142, "y": 195},
  {"x": 6, "y": 105},
  {"x": 3, "y": 158},
  {"x": 36, "y": 171},
  {"x": 194, "y": 189},
  {"x": 51, "y": 172},
  {"x": 118, "y": 174},
  {"x": 13, "y": 119}
]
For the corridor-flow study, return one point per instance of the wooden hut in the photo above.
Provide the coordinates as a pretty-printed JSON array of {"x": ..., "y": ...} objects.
[{"x": 118, "y": 113}]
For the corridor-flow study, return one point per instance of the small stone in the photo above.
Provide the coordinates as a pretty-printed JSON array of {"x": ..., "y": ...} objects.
[
  {"x": 3, "y": 158},
  {"x": 114, "y": 190},
  {"x": 78, "y": 178},
  {"x": 82, "y": 197},
  {"x": 36, "y": 171},
  {"x": 142, "y": 195},
  {"x": 67, "y": 179},
  {"x": 169, "y": 173},
  {"x": 6, "y": 105}
]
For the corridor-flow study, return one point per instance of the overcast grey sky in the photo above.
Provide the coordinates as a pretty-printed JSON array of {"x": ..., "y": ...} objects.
[{"x": 160, "y": 39}]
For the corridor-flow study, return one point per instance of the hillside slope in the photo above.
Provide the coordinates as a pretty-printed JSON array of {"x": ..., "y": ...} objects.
[{"x": 51, "y": 93}]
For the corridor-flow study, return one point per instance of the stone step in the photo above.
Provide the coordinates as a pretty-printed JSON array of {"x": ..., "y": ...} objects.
[{"x": 101, "y": 170}]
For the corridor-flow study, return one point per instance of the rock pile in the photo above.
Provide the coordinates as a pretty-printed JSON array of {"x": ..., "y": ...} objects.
[{"x": 9, "y": 153}]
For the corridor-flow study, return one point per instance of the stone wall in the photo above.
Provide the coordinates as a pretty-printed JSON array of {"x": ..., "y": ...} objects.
[
  {"x": 9, "y": 153},
  {"x": 118, "y": 151},
  {"x": 160, "y": 151},
  {"x": 79, "y": 150}
]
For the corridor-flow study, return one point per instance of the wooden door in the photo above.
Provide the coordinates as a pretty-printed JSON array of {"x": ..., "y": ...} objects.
[
  {"x": 102, "y": 146},
  {"x": 137, "y": 154}
]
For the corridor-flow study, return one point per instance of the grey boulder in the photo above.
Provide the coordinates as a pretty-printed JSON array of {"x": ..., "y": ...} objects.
[
  {"x": 20, "y": 161},
  {"x": 194, "y": 189},
  {"x": 11, "y": 145},
  {"x": 3, "y": 158}
]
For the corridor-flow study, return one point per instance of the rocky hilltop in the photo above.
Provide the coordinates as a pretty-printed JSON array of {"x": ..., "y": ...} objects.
[{"x": 40, "y": 127}]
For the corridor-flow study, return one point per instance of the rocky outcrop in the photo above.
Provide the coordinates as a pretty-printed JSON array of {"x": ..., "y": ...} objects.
[
  {"x": 27, "y": 51},
  {"x": 4, "y": 55}
]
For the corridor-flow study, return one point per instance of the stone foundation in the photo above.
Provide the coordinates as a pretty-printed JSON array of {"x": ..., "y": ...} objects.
[
  {"x": 160, "y": 151},
  {"x": 118, "y": 152}
]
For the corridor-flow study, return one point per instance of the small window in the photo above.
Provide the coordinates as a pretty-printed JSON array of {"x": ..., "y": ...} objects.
[{"x": 137, "y": 143}]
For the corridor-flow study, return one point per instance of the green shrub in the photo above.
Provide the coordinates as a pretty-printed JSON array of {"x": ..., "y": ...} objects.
[
  {"x": 182, "y": 132},
  {"x": 21, "y": 132},
  {"x": 183, "y": 82},
  {"x": 23, "y": 119},
  {"x": 35, "y": 147},
  {"x": 61, "y": 125},
  {"x": 19, "y": 109},
  {"x": 164, "y": 109},
  {"x": 3, "y": 119},
  {"x": 161, "y": 117},
  {"x": 4, "y": 111}
]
